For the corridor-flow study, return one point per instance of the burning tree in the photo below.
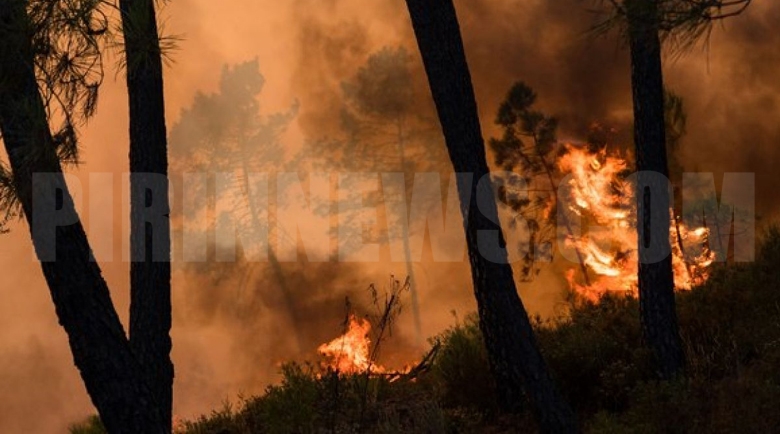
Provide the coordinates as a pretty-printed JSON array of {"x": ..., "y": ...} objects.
[
  {"x": 645, "y": 23},
  {"x": 528, "y": 185},
  {"x": 596, "y": 188},
  {"x": 514, "y": 357},
  {"x": 599, "y": 190}
]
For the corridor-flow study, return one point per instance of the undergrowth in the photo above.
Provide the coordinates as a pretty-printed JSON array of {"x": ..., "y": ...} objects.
[{"x": 730, "y": 327}]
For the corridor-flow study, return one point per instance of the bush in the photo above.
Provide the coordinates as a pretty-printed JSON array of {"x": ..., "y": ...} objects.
[
  {"x": 312, "y": 400},
  {"x": 461, "y": 373},
  {"x": 93, "y": 425},
  {"x": 730, "y": 328}
]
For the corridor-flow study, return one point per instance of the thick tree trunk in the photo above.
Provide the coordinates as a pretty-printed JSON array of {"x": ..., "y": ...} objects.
[
  {"x": 150, "y": 268},
  {"x": 656, "y": 282},
  {"x": 514, "y": 357},
  {"x": 81, "y": 297}
]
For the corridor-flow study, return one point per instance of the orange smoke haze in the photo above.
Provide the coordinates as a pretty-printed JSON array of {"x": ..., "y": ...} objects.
[{"x": 226, "y": 341}]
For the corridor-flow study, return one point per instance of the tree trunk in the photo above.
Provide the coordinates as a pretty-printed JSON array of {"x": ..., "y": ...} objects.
[
  {"x": 656, "y": 282},
  {"x": 407, "y": 248},
  {"x": 101, "y": 352},
  {"x": 150, "y": 267},
  {"x": 273, "y": 259},
  {"x": 514, "y": 357}
]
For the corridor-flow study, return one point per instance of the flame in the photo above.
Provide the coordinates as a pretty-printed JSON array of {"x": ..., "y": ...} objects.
[
  {"x": 178, "y": 425},
  {"x": 597, "y": 191},
  {"x": 350, "y": 352}
]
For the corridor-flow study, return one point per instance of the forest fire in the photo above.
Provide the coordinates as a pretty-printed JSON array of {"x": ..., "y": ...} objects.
[
  {"x": 350, "y": 353},
  {"x": 599, "y": 194}
]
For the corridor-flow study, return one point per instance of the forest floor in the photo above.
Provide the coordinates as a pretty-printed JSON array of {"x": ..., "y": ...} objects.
[{"x": 730, "y": 328}]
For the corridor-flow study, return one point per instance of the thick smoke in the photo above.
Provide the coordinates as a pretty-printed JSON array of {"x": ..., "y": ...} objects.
[{"x": 224, "y": 345}]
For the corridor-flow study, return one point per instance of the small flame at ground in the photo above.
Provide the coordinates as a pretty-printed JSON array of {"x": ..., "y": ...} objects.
[
  {"x": 598, "y": 192},
  {"x": 350, "y": 353}
]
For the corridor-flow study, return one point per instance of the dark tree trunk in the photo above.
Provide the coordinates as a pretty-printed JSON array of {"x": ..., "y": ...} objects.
[
  {"x": 515, "y": 360},
  {"x": 656, "y": 282},
  {"x": 101, "y": 352},
  {"x": 150, "y": 269}
]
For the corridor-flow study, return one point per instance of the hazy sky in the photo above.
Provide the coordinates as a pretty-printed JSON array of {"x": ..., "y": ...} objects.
[{"x": 306, "y": 48}]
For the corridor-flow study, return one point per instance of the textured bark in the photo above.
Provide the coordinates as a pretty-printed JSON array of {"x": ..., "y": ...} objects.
[
  {"x": 514, "y": 357},
  {"x": 101, "y": 352},
  {"x": 150, "y": 269},
  {"x": 656, "y": 282}
]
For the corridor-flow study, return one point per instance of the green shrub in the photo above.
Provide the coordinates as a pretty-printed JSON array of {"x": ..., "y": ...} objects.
[
  {"x": 93, "y": 425},
  {"x": 461, "y": 372},
  {"x": 313, "y": 400},
  {"x": 730, "y": 327}
]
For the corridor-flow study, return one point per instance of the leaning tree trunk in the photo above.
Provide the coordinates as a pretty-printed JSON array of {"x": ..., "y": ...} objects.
[
  {"x": 150, "y": 267},
  {"x": 101, "y": 352},
  {"x": 656, "y": 282},
  {"x": 514, "y": 357}
]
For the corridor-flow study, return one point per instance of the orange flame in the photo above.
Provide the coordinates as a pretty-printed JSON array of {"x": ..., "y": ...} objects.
[
  {"x": 350, "y": 352},
  {"x": 598, "y": 192}
]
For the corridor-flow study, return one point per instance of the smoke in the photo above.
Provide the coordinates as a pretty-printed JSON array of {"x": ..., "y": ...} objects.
[
  {"x": 228, "y": 341},
  {"x": 727, "y": 82},
  {"x": 232, "y": 337}
]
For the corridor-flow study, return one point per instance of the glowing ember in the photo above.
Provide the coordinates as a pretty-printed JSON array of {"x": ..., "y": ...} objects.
[
  {"x": 350, "y": 353},
  {"x": 598, "y": 193}
]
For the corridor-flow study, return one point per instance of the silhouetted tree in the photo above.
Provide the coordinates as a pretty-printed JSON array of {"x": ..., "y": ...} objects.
[
  {"x": 514, "y": 356},
  {"x": 386, "y": 130},
  {"x": 150, "y": 242},
  {"x": 42, "y": 74},
  {"x": 527, "y": 153},
  {"x": 646, "y": 22},
  {"x": 225, "y": 133},
  {"x": 656, "y": 278}
]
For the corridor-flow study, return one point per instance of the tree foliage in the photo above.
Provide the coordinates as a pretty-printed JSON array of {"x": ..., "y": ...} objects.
[
  {"x": 67, "y": 40},
  {"x": 41, "y": 83},
  {"x": 220, "y": 130},
  {"x": 682, "y": 23},
  {"x": 386, "y": 129},
  {"x": 526, "y": 153}
]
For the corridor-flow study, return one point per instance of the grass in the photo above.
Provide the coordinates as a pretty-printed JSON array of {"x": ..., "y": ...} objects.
[
  {"x": 730, "y": 327},
  {"x": 92, "y": 425}
]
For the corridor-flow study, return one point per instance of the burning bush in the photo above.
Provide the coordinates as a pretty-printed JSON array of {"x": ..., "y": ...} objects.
[
  {"x": 350, "y": 353},
  {"x": 552, "y": 189},
  {"x": 597, "y": 190},
  {"x": 729, "y": 326}
]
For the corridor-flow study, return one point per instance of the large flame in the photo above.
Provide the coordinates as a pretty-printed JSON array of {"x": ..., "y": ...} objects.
[
  {"x": 598, "y": 193},
  {"x": 350, "y": 353}
]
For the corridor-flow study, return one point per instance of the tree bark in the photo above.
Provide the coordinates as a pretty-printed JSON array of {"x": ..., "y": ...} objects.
[
  {"x": 150, "y": 268},
  {"x": 101, "y": 352},
  {"x": 514, "y": 357},
  {"x": 656, "y": 281}
]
